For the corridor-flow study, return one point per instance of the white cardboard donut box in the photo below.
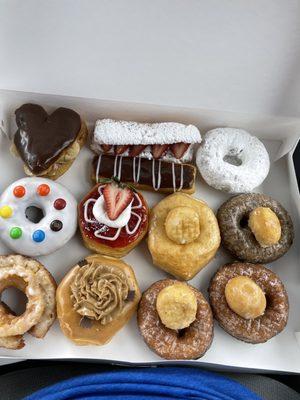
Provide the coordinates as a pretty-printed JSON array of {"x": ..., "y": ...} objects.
[{"x": 280, "y": 135}]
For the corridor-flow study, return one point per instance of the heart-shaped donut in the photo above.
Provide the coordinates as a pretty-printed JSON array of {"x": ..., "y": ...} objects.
[{"x": 41, "y": 138}]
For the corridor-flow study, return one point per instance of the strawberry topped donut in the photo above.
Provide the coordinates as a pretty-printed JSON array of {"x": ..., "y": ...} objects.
[{"x": 113, "y": 218}]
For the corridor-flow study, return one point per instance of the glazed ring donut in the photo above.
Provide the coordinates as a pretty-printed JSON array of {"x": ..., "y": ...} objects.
[
  {"x": 37, "y": 216},
  {"x": 237, "y": 237},
  {"x": 9, "y": 342},
  {"x": 189, "y": 343},
  {"x": 232, "y": 160},
  {"x": 37, "y": 283},
  {"x": 262, "y": 328}
]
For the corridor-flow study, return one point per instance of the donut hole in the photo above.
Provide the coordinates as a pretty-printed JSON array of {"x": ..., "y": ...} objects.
[
  {"x": 181, "y": 333},
  {"x": 233, "y": 157},
  {"x": 244, "y": 222},
  {"x": 34, "y": 214},
  {"x": 15, "y": 299}
]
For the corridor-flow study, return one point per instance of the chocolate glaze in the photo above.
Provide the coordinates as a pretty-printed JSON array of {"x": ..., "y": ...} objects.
[
  {"x": 107, "y": 171},
  {"x": 41, "y": 138}
]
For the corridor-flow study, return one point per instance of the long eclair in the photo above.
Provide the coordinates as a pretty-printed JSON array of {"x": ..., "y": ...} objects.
[
  {"x": 168, "y": 141},
  {"x": 145, "y": 174}
]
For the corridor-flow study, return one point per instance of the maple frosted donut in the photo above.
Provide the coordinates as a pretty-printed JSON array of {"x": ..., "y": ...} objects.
[
  {"x": 232, "y": 160},
  {"x": 113, "y": 218},
  {"x": 37, "y": 216}
]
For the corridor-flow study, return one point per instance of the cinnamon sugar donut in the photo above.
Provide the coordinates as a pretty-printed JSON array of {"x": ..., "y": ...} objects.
[
  {"x": 256, "y": 330},
  {"x": 189, "y": 343}
]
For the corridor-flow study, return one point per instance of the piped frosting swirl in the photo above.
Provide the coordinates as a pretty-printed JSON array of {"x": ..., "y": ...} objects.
[{"x": 99, "y": 292}]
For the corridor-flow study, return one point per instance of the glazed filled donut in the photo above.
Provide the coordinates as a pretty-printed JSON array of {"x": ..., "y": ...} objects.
[
  {"x": 37, "y": 216},
  {"x": 183, "y": 235},
  {"x": 240, "y": 240},
  {"x": 251, "y": 330},
  {"x": 37, "y": 283},
  {"x": 190, "y": 342},
  {"x": 232, "y": 160}
]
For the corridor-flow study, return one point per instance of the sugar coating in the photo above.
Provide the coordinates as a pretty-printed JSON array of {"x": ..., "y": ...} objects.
[
  {"x": 108, "y": 131},
  {"x": 236, "y": 143}
]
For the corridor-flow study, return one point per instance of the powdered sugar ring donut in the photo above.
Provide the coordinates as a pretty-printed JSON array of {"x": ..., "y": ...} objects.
[
  {"x": 189, "y": 343},
  {"x": 232, "y": 160},
  {"x": 55, "y": 216}
]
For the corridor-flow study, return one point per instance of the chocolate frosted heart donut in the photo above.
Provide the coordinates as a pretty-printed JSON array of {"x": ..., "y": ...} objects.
[
  {"x": 252, "y": 330},
  {"x": 190, "y": 342},
  {"x": 48, "y": 144},
  {"x": 239, "y": 239}
]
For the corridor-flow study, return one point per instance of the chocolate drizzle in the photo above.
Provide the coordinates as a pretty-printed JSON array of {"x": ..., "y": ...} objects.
[
  {"x": 171, "y": 176},
  {"x": 41, "y": 138}
]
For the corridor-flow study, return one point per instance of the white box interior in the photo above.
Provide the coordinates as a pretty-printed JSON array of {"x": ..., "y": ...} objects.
[{"x": 280, "y": 135}]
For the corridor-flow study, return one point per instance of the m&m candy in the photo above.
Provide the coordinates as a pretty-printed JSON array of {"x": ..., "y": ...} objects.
[
  {"x": 56, "y": 225},
  {"x": 60, "y": 204},
  {"x": 15, "y": 232},
  {"x": 6, "y": 212},
  {"x": 19, "y": 191},
  {"x": 43, "y": 189},
  {"x": 38, "y": 235}
]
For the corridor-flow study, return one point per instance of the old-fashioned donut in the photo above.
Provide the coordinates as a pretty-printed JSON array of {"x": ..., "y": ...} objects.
[
  {"x": 262, "y": 328},
  {"x": 238, "y": 238},
  {"x": 37, "y": 216},
  {"x": 232, "y": 160},
  {"x": 37, "y": 283},
  {"x": 189, "y": 343}
]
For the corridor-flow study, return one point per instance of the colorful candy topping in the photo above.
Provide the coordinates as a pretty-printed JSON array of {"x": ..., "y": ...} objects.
[
  {"x": 43, "y": 189},
  {"x": 56, "y": 225},
  {"x": 19, "y": 191},
  {"x": 15, "y": 232},
  {"x": 60, "y": 204},
  {"x": 38, "y": 235},
  {"x": 6, "y": 212}
]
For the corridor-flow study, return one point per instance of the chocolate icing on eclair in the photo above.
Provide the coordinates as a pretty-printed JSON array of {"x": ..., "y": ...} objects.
[
  {"x": 41, "y": 138},
  {"x": 156, "y": 174}
]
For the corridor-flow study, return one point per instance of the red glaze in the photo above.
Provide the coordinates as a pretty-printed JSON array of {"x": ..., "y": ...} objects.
[
  {"x": 124, "y": 238},
  {"x": 59, "y": 204},
  {"x": 19, "y": 191}
]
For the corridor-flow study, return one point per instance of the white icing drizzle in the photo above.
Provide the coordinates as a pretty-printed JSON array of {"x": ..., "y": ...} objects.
[
  {"x": 156, "y": 185},
  {"x": 99, "y": 232},
  {"x": 112, "y": 238},
  {"x": 181, "y": 177},
  {"x": 136, "y": 226},
  {"x": 174, "y": 178},
  {"x": 118, "y": 168},
  {"x": 136, "y": 177},
  {"x": 140, "y": 202},
  {"x": 98, "y": 167},
  {"x": 85, "y": 211}
]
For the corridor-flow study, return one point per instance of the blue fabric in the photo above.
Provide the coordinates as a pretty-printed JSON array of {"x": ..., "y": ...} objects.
[{"x": 147, "y": 383}]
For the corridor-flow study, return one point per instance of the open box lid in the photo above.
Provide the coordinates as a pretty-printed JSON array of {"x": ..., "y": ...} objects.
[{"x": 280, "y": 133}]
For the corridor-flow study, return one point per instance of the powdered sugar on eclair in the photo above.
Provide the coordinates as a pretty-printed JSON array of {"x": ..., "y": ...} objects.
[{"x": 108, "y": 131}]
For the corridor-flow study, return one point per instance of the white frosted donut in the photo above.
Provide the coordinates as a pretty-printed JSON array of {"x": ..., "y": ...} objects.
[
  {"x": 37, "y": 216},
  {"x": 232, "y": 160}
]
